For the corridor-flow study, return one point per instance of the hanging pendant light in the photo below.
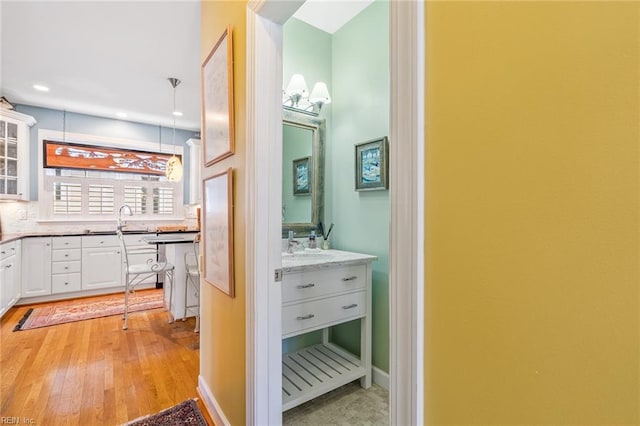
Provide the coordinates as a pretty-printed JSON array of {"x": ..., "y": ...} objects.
[{"x": 174, "y": 166}]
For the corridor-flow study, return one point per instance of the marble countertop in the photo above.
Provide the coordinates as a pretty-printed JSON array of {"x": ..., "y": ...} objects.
[{"x": 311, "y": 259}]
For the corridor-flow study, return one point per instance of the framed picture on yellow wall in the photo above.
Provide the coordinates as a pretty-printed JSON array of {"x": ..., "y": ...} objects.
[
  {"x": 217, "y": 234},
  {"x": 217, "y": 101}
]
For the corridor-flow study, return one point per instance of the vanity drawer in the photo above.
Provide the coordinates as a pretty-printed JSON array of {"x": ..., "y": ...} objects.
[
  {"x": 66, "y": 242},
  {"x": 308, "y": 284},
  {"x": 64, "y": 255},
  {"x": 301, "y": 317},
  {"x": 65, "y": 267},
  {"x": 65, "y": 282},
  {"x": 94, "y": 241}
]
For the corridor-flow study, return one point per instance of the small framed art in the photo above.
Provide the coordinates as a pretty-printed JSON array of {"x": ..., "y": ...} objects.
[
  {"x": 302, "y": 176},
  {"x": 372, "y": 165}
]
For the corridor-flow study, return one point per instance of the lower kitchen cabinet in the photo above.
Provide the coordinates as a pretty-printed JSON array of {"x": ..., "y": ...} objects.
[
  {"x": 9, "y": 275},
  {"x": 36, "y": 266},
  {"x": 101, "y": 262}
]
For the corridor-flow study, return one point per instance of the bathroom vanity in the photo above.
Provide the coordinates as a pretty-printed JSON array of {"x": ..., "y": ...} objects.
[{"x": 322, "y": 288}]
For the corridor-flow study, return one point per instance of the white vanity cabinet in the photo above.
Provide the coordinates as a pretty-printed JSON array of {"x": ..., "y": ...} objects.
[
  {"x": 9, "y": 275},
  {"x": 101, "y": 262},
  {"x": 319, "y": 292},
  {"x": 36, "y": 266}
]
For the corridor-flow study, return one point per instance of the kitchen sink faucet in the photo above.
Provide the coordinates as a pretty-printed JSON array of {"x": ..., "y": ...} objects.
[{"x": 120, "y": 220}]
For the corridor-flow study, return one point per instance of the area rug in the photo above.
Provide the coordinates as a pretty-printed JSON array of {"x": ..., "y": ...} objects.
[
  {"x": 185, "y": 413},
  {"x": 82, "y": 309}
]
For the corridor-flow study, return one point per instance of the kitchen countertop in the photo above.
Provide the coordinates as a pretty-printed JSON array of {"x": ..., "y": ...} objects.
[
  {"x": 313, "y": 259},
  {"x": 5, "y": 238}
]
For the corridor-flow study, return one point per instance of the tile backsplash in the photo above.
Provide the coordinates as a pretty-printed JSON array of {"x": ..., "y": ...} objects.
[{"x": 22, "y": 217}]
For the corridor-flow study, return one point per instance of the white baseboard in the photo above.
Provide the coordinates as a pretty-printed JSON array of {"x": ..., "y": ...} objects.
[
  {"x": 211, "y": 404},
  {"x": 380, "y": 378}
]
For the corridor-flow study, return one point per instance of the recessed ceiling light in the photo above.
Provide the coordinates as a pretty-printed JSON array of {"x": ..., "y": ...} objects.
[
  {"x": 121, "y": 114},
  {"x": 41, "y": 88},
  {"x": 177, "y": 113}
]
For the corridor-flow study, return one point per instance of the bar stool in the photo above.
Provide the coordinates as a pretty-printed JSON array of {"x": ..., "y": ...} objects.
[
  {"x": 192, "y": 280},
  {"x": 137, "y": 273}
]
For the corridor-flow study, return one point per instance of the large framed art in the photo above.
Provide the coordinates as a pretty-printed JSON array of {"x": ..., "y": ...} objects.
[
  {"x": 217, "y": 101},
  {"x": 217, "y": 232}
]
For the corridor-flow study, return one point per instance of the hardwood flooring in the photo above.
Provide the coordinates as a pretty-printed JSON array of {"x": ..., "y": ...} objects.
[{"x": 94, "y": 373}]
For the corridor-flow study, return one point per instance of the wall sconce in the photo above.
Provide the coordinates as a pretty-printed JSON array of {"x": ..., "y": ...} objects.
[{"x": 296, "y": 96}]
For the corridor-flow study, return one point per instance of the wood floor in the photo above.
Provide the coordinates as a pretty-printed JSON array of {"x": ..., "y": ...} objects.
[{"x": 93, "y": 373}]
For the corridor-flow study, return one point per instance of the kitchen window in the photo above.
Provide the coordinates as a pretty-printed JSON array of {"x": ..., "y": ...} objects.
[{"x": 95, "y": 195}]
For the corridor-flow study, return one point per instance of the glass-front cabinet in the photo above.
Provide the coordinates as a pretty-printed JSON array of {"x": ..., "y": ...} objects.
[{"x": 14, "y": 155}]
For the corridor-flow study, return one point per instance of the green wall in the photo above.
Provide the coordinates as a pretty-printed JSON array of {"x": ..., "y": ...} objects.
[{"x": 358, "y": 80}]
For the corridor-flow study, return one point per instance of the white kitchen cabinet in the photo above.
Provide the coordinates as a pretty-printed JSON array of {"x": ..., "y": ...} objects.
[
  {"x": 36, "y": 266},
  {"x": 101, "y": 262},
  {"x": 9, "y": 275},
  {"x": 318, "y": 292},
  {"x": 14, "y": 154},
  {"x": 65, "y": 265}
]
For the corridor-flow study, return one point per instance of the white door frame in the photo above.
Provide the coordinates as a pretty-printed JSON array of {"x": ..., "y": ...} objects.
[{"x": 264, "y": 197}]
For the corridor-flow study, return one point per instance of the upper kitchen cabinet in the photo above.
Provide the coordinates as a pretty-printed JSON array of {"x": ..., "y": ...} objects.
[{"x": 14, "y": 155}]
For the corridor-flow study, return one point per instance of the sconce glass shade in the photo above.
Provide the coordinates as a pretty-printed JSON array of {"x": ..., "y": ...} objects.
[
  {"x": 174, "y": 169},
  {"x": 297, "y": 86},
  {"x": 320, "y": 94}
]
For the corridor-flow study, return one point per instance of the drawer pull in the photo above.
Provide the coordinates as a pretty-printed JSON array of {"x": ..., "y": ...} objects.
[
  {"x": 306, "y": 285},
  {"x": 351, "y": 278},
  {"x": 66, "y": 283},
  {"x": 66, "y": 244},
  {"x": 4, "y": 252},
  {"x": 351, "y": 306},
  {"x": 66, "y": 267},
  {"x": 306, "y": 317},
  {"x": 66, "y": 255},
  {"x": 9, "y": 265}
]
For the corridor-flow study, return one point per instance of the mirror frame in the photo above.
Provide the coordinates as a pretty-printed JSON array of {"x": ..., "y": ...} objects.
[{"x": 298, "y": 118}]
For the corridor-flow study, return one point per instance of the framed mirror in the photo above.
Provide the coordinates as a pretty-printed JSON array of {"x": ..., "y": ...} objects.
[{"x": 303, "y": 145}]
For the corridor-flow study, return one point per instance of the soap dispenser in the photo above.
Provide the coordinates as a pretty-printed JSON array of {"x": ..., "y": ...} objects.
[{"x": 312, "y": 240}]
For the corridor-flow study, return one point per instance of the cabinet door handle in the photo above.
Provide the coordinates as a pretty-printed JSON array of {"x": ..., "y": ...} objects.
[
  {"x": 4, "y": 252},
  {"x": 306, "y": 285},
  {"x": 351, "y": 306},
  {"x": 9, "y": 265},
  {"x": 66, "y": 244},
  {"x": 47, "y": 244},
  {"x": 351, "y": 278},
  {"x": 305, "y": 317},
  {"x": 66, "y": 283}
]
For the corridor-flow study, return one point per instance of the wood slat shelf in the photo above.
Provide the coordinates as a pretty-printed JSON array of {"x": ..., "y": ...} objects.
[{"x": 315, "y": 370}]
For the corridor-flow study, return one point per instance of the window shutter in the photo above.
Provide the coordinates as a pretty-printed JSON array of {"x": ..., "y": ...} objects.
[
  {"x": 67, "y": 198},
  {"x": 101, "y": 199}
]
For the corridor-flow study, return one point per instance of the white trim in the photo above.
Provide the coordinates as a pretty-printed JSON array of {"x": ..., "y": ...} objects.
[
  {"x": 406, "y": 253},
  {"x": 380, "y": 377},
  {"x": 213, "y": 408},
  {"x": 27, "y": 119},
  {"x": 263, "y": 219}
]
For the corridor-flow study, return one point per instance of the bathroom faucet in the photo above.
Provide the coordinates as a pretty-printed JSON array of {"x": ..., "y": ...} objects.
[
  {"x": 120, "y": 221},
  {"x": 291, "y": 243}
]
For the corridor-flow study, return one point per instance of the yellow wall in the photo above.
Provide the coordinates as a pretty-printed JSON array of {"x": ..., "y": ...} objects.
[
  {"x": 222, "y": 334},
  {"x": 532, "y": 283}
]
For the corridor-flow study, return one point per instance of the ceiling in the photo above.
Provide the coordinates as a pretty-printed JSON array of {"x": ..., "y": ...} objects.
[{"x": 108, "y": 57}]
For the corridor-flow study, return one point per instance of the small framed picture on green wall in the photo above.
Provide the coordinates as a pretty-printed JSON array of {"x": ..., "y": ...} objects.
[{"x": 372, "y": 165}]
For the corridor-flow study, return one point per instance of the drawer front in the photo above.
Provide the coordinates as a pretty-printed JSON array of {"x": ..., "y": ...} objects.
[
  {"x": 65, "y": 255},
  {"x": 66, "y": 242},
  {"x": 65, "y": 282},
  {"x": 65, "y": 267},
  {"x": 7, "y": 249},
  {"x": 308, "y": 284},
  {"x": 93, "y": 241},
  {"x": 332, "y": 310},
  {"x": 137, "y": 240}
]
